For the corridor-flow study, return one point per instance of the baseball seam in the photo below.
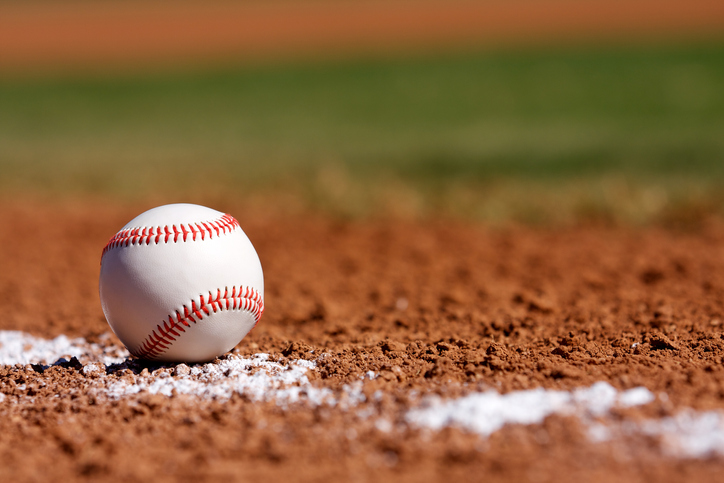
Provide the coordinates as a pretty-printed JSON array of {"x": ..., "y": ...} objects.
[
  {"x": 158, "y": 234},
  {"x": 163, "y": 337}
]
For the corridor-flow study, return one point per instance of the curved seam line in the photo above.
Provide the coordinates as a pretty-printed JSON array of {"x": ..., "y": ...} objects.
[
  {"x": 144, "y": 235},
  {"x": 162, "y": 338}
]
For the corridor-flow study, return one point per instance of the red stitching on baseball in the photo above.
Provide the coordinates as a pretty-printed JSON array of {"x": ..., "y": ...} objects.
[
  {"x": 144, "y": 235},
  {"x": 162, "y": 338}
]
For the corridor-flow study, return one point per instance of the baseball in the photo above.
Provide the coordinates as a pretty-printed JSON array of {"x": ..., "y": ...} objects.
[{"x": 181, "y": 282}]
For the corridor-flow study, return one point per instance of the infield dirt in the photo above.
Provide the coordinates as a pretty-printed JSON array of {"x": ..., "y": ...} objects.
[
  {"x": 40, "y": 37},
  {"x": 440, "y": 307}
]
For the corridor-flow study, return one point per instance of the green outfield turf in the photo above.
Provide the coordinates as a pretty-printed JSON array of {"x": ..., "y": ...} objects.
[{"x": 631, "y": 133}]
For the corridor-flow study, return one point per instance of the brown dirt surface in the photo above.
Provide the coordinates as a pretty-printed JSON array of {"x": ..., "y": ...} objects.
[
  {"x": 42, "y": 36},
  {"x": 437, "y": 307}
]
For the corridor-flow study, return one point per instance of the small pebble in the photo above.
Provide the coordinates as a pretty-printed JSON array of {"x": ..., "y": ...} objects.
[{"x": 94, "y": 370}]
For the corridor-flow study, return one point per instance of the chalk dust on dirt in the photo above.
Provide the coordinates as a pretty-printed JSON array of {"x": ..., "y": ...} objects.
[{"x": 376, "y": 317}]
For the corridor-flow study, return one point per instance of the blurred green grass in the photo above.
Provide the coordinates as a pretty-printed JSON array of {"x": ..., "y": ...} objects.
[{"x": 628, "y": 133}]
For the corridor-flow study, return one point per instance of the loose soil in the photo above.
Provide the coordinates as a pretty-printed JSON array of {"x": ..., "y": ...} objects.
[{"x": 435, "y": 307}]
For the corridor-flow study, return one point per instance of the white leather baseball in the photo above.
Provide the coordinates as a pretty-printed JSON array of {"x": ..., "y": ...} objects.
[{"x": 181, "y": 283}]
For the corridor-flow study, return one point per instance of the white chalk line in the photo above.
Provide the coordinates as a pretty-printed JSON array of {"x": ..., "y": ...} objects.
[{"x": 687, "y": 434}]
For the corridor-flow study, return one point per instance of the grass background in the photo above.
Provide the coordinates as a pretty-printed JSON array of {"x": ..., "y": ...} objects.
[{"x": 632, "y": 134}]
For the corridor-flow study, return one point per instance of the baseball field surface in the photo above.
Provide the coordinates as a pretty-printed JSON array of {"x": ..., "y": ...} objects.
[
  {"x": 491, "y": 236},
  {"x": 388, "y": 351}
]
